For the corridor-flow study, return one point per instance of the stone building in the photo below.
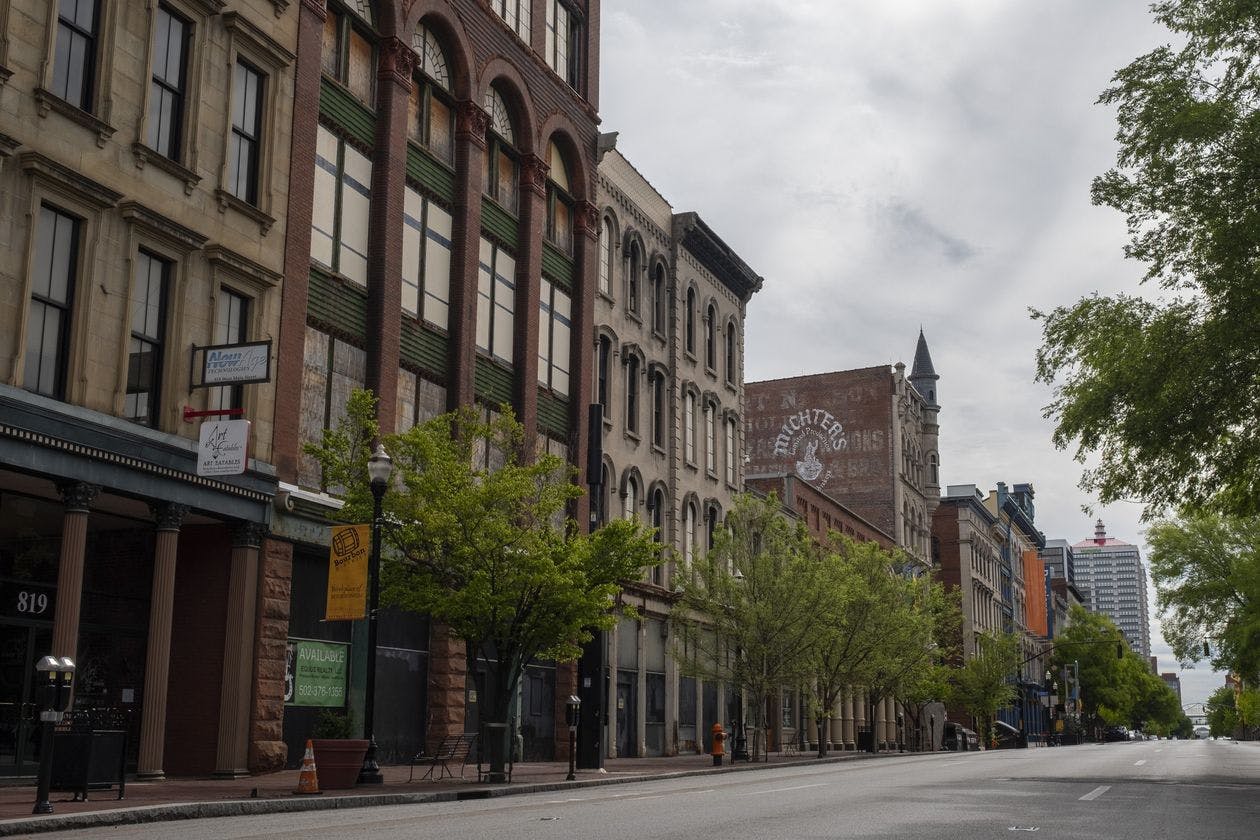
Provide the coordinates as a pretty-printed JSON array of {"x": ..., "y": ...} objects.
[
  {"x": 144, "y": 160},
  {"x": 668, "y": 373},
  {"x": 444, "y": 170},
  {"x": 967, "y": 557}
]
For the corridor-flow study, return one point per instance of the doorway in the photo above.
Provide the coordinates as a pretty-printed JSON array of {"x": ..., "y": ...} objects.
[
  {"x": 21, "y": 645},
  {"x": 627, "y": 717}
]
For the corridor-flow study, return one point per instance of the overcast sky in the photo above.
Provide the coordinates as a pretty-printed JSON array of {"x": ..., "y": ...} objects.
[{"x": 885, "y": 165}]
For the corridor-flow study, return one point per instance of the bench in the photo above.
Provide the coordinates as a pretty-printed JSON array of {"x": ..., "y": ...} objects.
[{"x": 451, "y": 749}]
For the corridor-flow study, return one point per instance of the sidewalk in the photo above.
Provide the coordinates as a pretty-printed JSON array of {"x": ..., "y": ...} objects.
[{"x": 178, "y": 799}]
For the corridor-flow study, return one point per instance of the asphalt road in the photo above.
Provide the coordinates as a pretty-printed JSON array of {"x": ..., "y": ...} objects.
[{"x": 1145, "y": 791}]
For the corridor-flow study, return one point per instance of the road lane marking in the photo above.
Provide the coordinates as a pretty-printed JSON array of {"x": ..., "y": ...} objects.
[
  {"x": 1139, "y": 763},
  {"x": 781, "y": 790},
  {"x": 1095, "y": 793}
]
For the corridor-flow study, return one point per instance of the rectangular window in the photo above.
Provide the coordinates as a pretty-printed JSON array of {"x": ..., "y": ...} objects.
[
  {"x": 710, "y": 439},
  {"x": 658, "y": 408},
  {"x": 515, "y": 14},
  {"x": 730, "y": 451},
  {"x": 431, "y": 120},
  {"x": 554, "y": 327},
  {"x": 52, "y": 295},
  {"x": 148, "y": 328},
  {"x": 166, "y": 96},
  {"x": 339, "y": 218},
  {"x": 426, "y": 280},
  {"x": 231, "y": 326},
  {"x": 74, "y": 63},
  {"x": 496, "y": 294},
  {"x": 348, "y": 53},
  {"x": 331, "y": 369},
  {"x": 246, "y": 142},
  {"x": 689, "y": 429}
]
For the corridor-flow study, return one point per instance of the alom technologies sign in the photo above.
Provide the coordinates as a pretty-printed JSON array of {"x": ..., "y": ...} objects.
[{"x": 236, "y": 364}]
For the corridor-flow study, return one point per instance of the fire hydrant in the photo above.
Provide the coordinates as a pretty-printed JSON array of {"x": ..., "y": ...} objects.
[{"x": 719, "y": 739}]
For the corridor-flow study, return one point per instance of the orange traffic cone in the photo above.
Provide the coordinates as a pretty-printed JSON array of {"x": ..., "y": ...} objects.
[{"x": 308, "y": 780}]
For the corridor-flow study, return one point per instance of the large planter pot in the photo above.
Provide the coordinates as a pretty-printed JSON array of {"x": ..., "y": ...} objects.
[{"x": 338, "y": 761}]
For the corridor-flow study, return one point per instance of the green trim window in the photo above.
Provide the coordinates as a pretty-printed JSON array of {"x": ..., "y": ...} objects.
[
  {"x": 52, "y": 298},
  {"x": 148, "y": 332},
  {"x": 502, "y": 168},
  {"x": 426, "y": 280},
  {"x": 555, "y": 327},
  {"x": 349, "y": 48},
  {"x": 431, "y": 112},
  {"x": 339, "y": 216},
  {"x": 496, "y": 302}
]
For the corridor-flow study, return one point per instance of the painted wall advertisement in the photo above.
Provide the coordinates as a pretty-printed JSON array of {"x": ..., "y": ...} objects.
[
  {"x": 348, "y": 556},
  {"x": 315, "y": 673}
]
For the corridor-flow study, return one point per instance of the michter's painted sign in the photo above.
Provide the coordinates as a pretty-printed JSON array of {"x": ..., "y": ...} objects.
[{"x": 805, "y": 436}]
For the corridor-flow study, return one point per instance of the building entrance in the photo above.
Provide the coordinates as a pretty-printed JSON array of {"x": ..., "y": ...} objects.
[{"x": 21, "y": 646}]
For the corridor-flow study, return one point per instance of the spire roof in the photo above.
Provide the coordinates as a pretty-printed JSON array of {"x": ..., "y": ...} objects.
[{"x": 922, "y": 367}]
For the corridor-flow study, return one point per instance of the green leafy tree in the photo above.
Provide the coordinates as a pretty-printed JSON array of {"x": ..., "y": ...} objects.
[
  {"x": 1155, "y": 708},
  {"x": 983, "y": 684},
  {"x": 477, "y": 538},
  {"x": 1161, "y": 388},
  {"x": 1106, "y": 688},
  {"x": 1222, "y": 713},
  {"x": 1206, "y": 570},
  {"x": 748, "y": 611}
]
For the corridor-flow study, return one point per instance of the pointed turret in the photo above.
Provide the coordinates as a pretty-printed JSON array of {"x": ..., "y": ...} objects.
[{"x": 922, "y": 375}]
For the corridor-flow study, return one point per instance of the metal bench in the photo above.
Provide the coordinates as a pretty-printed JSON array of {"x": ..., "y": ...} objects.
[{"x": 451, "y": 749}]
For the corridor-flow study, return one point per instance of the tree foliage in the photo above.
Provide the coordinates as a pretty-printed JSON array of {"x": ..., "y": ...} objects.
[
  {"x": 1206, "y": 570},
  {"x": 983, "y": 684},
  {"x": 1221, "y": 712},
  {"x": 1164, "y": 389},
  {"x": 477, "y": 538}
]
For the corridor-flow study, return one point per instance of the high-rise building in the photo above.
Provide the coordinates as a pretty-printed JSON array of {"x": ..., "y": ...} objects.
[{"x": 1112, "y": 572}]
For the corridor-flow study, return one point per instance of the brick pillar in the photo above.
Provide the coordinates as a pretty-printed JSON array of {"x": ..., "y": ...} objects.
[
  {"x": 566, "y": 684},
  {"x": 267, "y": 750},
  {"x": 448, "y": 673},
  {"x": 232, "y": 756},
  {"x": 157, "y": 662},
  {"x": 582, "y": 348},
  {"x": 385, "y": 226},
  {"x": 77, "y": 498},
  {"x": 528, "y": 274},
  {"x": 471, "y": 123},
  {"x": 290, "y": 352}
]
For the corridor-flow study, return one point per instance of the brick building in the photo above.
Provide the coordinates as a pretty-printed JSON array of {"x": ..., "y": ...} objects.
[
  {"x": 668, "y": 360},
  {"x": 144, "y": 160},
  {"x": 446, "y": 164}
]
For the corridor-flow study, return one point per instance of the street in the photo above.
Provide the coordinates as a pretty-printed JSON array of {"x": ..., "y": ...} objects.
[{"x": 1144, "y": 790}]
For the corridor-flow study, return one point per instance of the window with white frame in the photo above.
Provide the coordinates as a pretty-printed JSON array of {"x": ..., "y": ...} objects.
[
  {"x": 53, "y": 280},
  {"x": 339, "y": 216},
  {"x": 231, "y": 326},
  {"x": 689, "y": 427},
  {"x": 562, "y": 45},
  {"x": 689, "y": 533},
  {"x": 148, "y": 334},
  {"x": 74, "y": 61},
  {"x": 431, "y": 114},
  {"x": 168, "y": 88},
  {"x": 515, "y": 14},
  {"x": 501, "y": 167},
  {"x": 730, "y": 450},
  {"x": 426, "y": 259},
  {"x": 631, "y": 508},
  {"x": 710, "y": 438},
  {"x": 606, "y": 237},
  {"x": 554, "y": 327},
  {"x": 496, "y": 301}
]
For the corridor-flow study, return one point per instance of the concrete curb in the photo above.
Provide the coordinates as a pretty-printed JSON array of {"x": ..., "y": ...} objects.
[{"x": 254, "y": 807}]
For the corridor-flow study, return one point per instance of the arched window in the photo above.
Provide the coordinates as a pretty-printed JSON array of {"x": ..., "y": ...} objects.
[
  {"x": 690, "y": 322},
  {"x": 710, "y": 337},
  {"x": 711, "y": 516},
  {"x": 689, "y": 533},
  {"x": 689, "y": 427},
  {"x": 605, "y": 491},
  {"x": 730, "y": 450},
  {"x": 501, "y": 169},
  {"x": 656, "y": 514},
  {"x": 559, "y": 201},
  {"x": 632, "y": 394},
  {"x": 659, "y": 414},
  {"x": 601, "y": 385},
  {"x": 431, "y": 113},
  {"x": 634, "y": 266},
  {"x": 933, "y": 470},
  {"x": 659, "y": 300},
  {"x": 730, "y": 354},
  {"x": 632, "y": 498},
  {"x": 606, "y": 256},
  {"x": 349, "y": 48},
  {"x": 710, "y": 437}
]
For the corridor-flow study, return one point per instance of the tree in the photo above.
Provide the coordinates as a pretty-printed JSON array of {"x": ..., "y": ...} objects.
[
  {"x": 1222, "y": 714},
  {"x": 749, "y": 608},
  {"x": 1155, "y": 708},
  {"x": 1088, "y": 646},
  {"x": 478, "y": 540},
  {"x": 1206, "y": 570},
  {"x": 1163, "y": 388},
  {"x": 983, "y": 684}
]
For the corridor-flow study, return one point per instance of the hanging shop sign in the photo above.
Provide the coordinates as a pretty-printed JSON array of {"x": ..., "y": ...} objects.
[
  {"x": 223, "y": 447},
  {"x": 315, "y": 673},
  {"x": 348, "y": 556},
  {"x": 234, "y": 364}
]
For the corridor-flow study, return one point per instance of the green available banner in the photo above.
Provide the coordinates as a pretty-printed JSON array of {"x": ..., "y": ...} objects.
[{"x": 316, "y": 673}]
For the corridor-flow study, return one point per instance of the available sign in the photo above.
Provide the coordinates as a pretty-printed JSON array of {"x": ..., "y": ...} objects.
[
  {"x": 223, "y": 448},
  {"x": 348, "y": 572},
  {"x": 315, "y": 673},
  {"x": 235, "y": 364}
]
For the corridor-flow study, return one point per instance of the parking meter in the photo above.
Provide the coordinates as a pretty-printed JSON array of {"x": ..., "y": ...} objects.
[
  {"x": 572, "y": 708},
  {"x": 48, "y": 670},
  {"x": 65, "y": 685},
  {"x": 56, "y": 683}
]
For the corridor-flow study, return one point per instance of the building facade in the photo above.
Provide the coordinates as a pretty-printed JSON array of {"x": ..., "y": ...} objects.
[
  {"x": 144, "y": 160},
  {"x": 444, "y": 173},
  {"x": 1112, "y": 572},
  {"x": 668, "y": 375},
  {"x": 967, "y": 544}
]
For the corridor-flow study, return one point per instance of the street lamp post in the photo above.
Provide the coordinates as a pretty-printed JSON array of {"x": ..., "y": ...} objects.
[{"x": 379, "y": 467}]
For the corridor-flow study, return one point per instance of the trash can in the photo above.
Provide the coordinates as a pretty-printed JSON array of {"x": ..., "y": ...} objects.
[{"x": 495, "y": 745}]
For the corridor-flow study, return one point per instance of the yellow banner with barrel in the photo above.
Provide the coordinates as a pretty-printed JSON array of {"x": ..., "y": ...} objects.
[{"x": 348, "y": 556}]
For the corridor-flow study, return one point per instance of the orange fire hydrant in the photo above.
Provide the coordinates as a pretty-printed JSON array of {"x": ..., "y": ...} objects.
[{"x": 719, "y": 740}]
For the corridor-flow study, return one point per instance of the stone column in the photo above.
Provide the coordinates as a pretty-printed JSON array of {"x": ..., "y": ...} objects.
[
  {"x": 528, "y": 273},
  {"x": 846, "y": 711},
  {"x": 890, "y": 722},
  {"x": 448, "y": 676},
  {"x": 835, "y": 729},
  {"x": 859, "y": 714},
  {"x": 77, "y": 498},
  {"x": 471, "y": 123},
  {"x": 168, "y": 517},
  {"x": 232, "y": 757},
  {"x": 267, "y": 750}
]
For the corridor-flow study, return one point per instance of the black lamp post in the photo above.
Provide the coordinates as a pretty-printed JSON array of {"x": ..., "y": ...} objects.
[{"x": 379, "y": 467}]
